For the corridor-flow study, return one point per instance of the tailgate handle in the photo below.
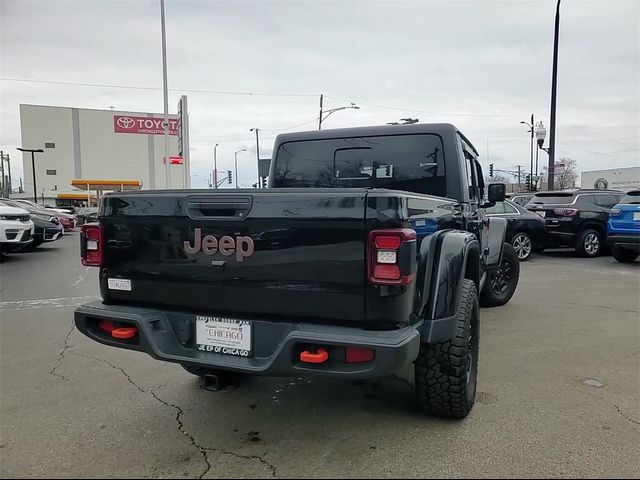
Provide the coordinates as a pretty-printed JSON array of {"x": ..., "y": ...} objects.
[{"x": 227, "y": 207}]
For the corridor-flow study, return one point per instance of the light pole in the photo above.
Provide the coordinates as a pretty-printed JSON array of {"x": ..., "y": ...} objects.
[
  {"x": 215, "y": 166},
  {"x": 554, "y": 85},
  {"x": 257, "y": 153},
  {"x": 531, "y": 129},
  {"x": 324, "y": 114},
  {"x": 166, "y": 98},
  {"x": 236, "y": 162},
  {"x": 33, "y": 168}
]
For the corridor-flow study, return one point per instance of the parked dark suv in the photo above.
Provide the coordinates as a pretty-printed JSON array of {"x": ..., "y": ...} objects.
[{"x": 576, "y": 218}]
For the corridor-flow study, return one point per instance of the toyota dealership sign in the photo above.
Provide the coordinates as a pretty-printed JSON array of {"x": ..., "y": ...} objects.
[{"x": 143, "y": 125}]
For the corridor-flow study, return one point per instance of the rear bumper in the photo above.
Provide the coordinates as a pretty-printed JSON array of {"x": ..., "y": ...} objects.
[
  {"x": 630, "y": 242},
  {"x": 169, "y": 336}
]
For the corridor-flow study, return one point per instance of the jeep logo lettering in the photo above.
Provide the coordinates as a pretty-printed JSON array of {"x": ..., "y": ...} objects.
[{"x": 242, "y": 246}]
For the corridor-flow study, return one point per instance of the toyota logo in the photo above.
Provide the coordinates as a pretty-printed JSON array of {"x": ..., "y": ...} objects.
[{"x": 125, "y": 122}]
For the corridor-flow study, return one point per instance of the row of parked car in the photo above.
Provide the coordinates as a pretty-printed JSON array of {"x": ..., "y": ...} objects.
[
  {"x": 593, "y": 222},
  {"x": 25, "y": 225}
]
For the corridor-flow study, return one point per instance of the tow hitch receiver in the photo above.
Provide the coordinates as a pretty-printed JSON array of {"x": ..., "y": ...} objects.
[{"x": 117, "y": 332}]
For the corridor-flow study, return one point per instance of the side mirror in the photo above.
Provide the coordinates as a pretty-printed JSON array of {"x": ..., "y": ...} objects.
[{"x": 497, "y": 192}]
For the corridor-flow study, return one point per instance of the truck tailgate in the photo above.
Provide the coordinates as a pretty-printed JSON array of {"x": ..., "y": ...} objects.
[{"x": 278, "y": 253}]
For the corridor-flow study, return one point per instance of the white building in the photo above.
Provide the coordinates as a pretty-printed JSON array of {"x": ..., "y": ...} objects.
[
  {"x": 612, "y": 178},
  {"x": 103, "y": 146}
]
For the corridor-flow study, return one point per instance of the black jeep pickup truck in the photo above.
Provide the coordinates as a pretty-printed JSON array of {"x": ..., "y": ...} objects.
[{"x": 369, "y": 252}]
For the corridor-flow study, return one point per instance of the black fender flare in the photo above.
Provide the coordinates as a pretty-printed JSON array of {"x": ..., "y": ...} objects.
[{"x": 447, "y": 257}]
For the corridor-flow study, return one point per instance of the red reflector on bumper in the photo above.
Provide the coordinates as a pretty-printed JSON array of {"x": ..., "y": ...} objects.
[
  {"x": 320, "y": 356},
  {"x": 106, "y": 326},
  {"x": 359, "y": 355}
]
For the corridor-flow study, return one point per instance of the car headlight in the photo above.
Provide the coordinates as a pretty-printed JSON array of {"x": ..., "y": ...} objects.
[{"x": 46, "y": 218}]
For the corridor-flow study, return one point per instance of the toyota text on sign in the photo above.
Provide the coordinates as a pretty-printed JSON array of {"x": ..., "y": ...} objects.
[{"x": 143, "y": 125}]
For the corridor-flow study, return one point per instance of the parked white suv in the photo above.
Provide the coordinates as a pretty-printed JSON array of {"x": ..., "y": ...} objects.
[{"x": 16, "y": 228}]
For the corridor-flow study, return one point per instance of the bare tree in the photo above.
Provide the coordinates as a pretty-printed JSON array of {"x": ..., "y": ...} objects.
[
  {"x": 566, "y": 179},
  {"x": 498, "y": 178}
]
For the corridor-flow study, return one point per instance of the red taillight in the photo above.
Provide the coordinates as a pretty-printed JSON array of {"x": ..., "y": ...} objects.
[
  {"x": 359, "y": 355},
  {"x": 91, "y": 245},
  {"x": 390, "y": 255},
  {"x": 566, "y": 212}
]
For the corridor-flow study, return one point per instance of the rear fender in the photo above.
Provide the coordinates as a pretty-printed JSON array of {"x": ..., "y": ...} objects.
[
  {"x": 447, "y": 258},
  {"x": 497, "y": 232}
]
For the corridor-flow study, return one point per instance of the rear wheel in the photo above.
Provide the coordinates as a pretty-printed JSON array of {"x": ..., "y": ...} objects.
[
  {"x": 502, "y": 283},
  {"x": 446, "y": 372},
  {"x": 622, "y": 255},
  {"x": 523, "y": 245},
  {"x": 589, "y": 243}
]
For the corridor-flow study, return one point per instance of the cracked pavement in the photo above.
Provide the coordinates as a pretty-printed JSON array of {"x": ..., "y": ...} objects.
[{"x": 558, "y": 393}]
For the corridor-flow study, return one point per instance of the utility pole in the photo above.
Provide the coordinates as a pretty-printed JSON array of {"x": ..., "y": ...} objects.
[
  {"x": 257, "y": 153},
  {"x": 2, "y": 186},
  {"x": 215, "y": 166},
  {"x": 320, "y": 117},
  {"x": 9, "y": 167},
  {"x": 519, "y": 167},
  {"x": 532, "y": 128},
  {"x": 554, "y": 85}
]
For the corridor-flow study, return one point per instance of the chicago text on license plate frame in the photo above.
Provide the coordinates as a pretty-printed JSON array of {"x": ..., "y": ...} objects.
[
  {"x": 636, "y": 216},
  {"x": 119, "y": 284},
  {"x": 223, "y": 335}
]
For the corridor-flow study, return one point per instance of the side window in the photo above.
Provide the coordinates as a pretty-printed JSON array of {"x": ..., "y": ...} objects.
[
  {"x": 605, "y": 201},
  {"x": 497, "y": 209},
  {"x": 509, "y": 208},
  {"x": 586, "y": 202}
]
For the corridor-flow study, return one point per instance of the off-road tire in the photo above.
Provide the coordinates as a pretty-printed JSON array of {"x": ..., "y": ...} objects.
[{"x": 446, "y": 372}]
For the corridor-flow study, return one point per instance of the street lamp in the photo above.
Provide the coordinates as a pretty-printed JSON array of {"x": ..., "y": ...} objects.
[
  {"x": 215, "y": 166},
  {"x": 325, "y": 114},
  {"x": 541, "y": 134},
  {"x": 257, "y": 153},
  {"x": 33, "y": 168},
  {"x": 236, "y": 162},
  {"x": 531, "y": 129}
]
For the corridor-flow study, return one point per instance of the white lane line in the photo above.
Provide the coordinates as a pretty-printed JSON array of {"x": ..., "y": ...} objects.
[
  {"x": 46, "y": 303},
  {"x": 80, "y": 279}
]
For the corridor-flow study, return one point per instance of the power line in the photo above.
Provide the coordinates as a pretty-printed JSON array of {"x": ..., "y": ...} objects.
[
  {"x": 289, "y": 128},
  {"x": 597, "y": 153},
  {"x": 134, "y": 87},
  {"x": 387, "y": 107},
  {"x": 575, "y": 129}
]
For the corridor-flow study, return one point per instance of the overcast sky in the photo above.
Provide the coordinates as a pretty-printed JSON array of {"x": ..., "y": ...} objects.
[{"x": 481, "y": 65}]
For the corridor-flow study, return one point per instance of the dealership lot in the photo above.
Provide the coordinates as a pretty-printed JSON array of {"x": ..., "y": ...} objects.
[{"x": 558, "y": 392}]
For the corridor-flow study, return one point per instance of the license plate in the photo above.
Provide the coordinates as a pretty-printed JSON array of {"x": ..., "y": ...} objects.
[
  {"x": 223, "y": 335},
  {"x": 119, "y": 284},
  {"x": 636, "y": 216},
  {"x": 542, "y": 213}
]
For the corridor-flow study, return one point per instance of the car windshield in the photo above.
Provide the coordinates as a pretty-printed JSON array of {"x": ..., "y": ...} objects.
[
  {"x": 552, "y": 198},
  {"x": 408, "y": 162}
]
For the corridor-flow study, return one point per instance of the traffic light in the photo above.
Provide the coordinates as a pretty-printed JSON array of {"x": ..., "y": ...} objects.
[
  {"x": 263, "y": 182},
  {"x": 528, "y": 182},
  {"x": 229, "y": 176},
  {"x": 491, "y": 170}
]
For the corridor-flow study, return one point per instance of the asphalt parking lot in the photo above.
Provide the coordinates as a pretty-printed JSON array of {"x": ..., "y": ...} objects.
[{"x": 558, "y": 393}]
